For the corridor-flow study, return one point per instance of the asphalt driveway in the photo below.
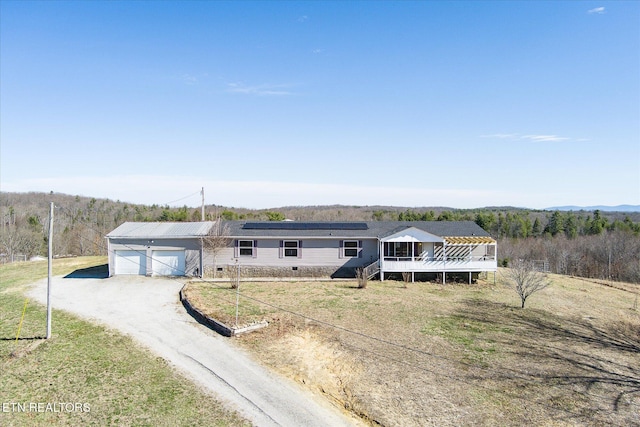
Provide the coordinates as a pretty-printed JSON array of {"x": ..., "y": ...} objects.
[{"x": 149, "y": 310}]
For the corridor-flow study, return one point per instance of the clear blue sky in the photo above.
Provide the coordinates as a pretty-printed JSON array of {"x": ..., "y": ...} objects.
[{"x": 267, "y": 104}]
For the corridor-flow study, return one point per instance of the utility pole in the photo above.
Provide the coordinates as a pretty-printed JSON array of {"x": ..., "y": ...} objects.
[
  {"x": 237, "y": 289},
  {"x": 50, "y": 270},
  {"x": 202, "y": 213}
]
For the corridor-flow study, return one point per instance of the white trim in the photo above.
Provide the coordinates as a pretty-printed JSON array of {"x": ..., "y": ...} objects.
[
  {"x": 412, "y": 234},
  {"x": 291, "y": 248},
  {"x": 250, "y": 248},
  {"x": 345, "y": 248}
]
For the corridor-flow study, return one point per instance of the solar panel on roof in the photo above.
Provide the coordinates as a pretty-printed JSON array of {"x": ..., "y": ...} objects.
[{"x": 293, "y": 225}]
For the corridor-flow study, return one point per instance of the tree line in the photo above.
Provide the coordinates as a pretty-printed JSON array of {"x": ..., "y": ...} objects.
[
  {"x": 591, "y": 244},
  {"x": 523, "y": 223}
]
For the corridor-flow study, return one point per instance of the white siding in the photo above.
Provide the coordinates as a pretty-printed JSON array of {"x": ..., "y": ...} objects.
[{"x": 314, "y": 253}]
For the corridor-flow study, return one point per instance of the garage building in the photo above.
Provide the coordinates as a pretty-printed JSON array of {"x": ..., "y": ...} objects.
[{"x": 157, "y": 248}]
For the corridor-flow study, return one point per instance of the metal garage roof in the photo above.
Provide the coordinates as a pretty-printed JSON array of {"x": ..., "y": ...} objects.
[{"x": 158, "y": 230}]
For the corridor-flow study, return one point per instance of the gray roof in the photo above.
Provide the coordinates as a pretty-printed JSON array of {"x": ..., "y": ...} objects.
[
  {"x": 159, "y": 230},
  {"x": 374, "y": 229}
]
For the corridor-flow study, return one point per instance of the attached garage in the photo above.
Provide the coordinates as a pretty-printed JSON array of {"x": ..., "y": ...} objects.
[
  {"x": 130, "y": 262},
  {"x": 157, "y": 248},
  {"x": 167, "y": 263}
]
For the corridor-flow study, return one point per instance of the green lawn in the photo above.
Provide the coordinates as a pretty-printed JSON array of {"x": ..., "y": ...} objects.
[{"x": 86, "y": 374}]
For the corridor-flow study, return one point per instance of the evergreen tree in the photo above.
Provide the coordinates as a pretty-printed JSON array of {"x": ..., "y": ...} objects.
[
  {"x": 555, "y": 224},
  {"x": 275, "y": 216},
  {"x": 598, "y": 224},
  {"x": 486, "y": 220},
  {"x": 571, "y": 226},
  {"x": 429, "y": 216},
  {"x": 445, "y": 216},
  {"x": 536, "y": 230},
  {"x": 229, "y": 215},
  {"x": 524, "y": 226}
]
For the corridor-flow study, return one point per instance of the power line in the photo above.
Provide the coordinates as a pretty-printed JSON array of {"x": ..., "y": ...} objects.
[{"x": 182, "y": 198}]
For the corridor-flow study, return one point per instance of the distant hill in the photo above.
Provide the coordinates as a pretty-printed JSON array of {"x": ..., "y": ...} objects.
[{"x": 619, "y": 208}]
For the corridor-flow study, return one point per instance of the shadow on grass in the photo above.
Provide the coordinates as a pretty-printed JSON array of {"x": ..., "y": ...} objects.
[
  {"x": 96, "y": 272},
  {"x": 22, "y": 339},
  {"x": 566, "y": 352}
]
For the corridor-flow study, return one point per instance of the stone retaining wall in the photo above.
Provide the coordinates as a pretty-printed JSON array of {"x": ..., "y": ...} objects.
[{"x": 219, "y": 327}]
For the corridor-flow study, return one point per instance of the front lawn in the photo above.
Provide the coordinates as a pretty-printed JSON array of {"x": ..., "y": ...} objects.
[
  {"x": 428, "y": 354},
  {"x": 86, "y": 374}
]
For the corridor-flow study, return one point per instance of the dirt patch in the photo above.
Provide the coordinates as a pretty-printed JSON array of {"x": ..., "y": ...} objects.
[
  {"x": 24, "y": 350},
  {"x": 319, "y": 364}
]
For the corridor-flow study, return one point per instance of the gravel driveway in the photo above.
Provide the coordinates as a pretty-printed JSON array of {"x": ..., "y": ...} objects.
[{"x": 149, "y": 310}]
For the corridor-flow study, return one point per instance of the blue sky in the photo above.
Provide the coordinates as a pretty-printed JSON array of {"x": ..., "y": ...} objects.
[{"x": 268, "y": 104}]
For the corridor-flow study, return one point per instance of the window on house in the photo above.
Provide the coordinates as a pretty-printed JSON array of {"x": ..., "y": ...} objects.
[
  {"x": 350, "y": 248},
  {"x": 291, "y": 248},
  {"x": 418, "y": 249},
  {"x": 397, "y": 249},
  {"x": 245, "y": 247}
]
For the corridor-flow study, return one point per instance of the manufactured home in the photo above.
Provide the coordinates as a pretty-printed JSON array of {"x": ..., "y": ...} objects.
[
  {"x": 386, "y": 249},
  {"x": 337, "y": 249}
]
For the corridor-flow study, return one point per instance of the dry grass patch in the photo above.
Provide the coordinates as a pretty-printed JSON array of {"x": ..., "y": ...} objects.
[{"x": 430, "y": 354}]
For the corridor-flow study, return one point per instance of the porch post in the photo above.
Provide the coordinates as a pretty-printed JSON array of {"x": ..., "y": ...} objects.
[
  {"x": 201, "y": 258},
  {"x": 444, "y": 262},
  {"x": 381, "y": 259}
]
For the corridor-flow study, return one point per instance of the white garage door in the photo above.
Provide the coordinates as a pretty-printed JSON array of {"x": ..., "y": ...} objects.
[
  {"x": 130, "y": 262},
  {"x": 167, "y": 263}
]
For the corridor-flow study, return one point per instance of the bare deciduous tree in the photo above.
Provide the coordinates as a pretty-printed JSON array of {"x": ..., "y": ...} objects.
[
  {"x": 361, "y": 275},
  {"x": 216, "y": 240},
  {"x": 525, "y": 279},
  {"x": 406, "y": 278},
  {"x": 22, "y": 241}
]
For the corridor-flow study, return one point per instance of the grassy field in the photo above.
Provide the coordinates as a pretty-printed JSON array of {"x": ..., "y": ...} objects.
[
  {"x": 428, "y": 354},
  {"x": 86, "y": 374}
]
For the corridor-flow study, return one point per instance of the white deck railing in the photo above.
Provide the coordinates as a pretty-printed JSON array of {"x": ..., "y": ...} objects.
[
  {"x": 407, "y": 264},
  {"x": 371, "y": 270}
]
